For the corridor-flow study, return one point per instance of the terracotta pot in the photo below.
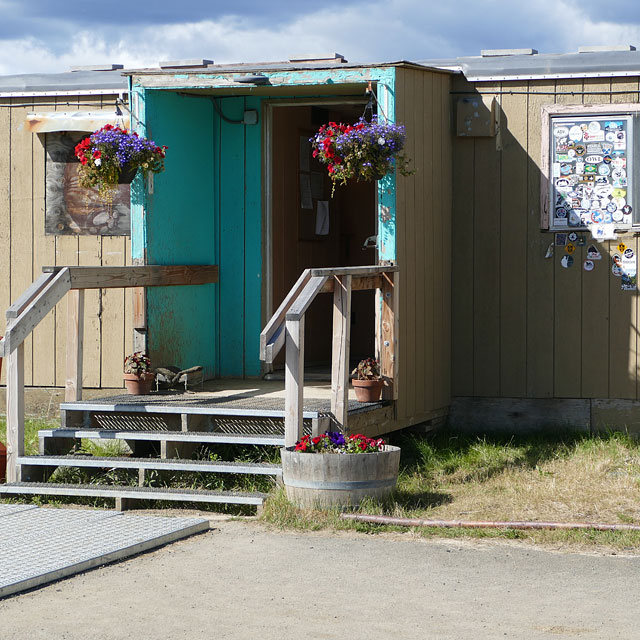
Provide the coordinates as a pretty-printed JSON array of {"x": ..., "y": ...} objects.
[
  {"x": 3, "y": 462},
  {"x": 139, "y": 385},
  {"x": 367, "y": 390}
]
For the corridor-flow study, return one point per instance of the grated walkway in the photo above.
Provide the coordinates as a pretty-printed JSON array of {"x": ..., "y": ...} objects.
[{"x": 40, "y": 545}]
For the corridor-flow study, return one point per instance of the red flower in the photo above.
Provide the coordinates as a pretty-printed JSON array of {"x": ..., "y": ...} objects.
[
  {"x": 97, "y": 153},
  {"x": 317, "y": 439}
]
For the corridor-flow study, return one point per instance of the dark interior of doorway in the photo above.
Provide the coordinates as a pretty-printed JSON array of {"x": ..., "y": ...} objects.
[{"x": 295, "y": 222}]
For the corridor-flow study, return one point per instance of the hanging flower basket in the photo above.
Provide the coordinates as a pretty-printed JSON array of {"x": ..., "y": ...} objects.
[
  {"x": 112, "y": 156},
  {"x": 363, "y": 151}
]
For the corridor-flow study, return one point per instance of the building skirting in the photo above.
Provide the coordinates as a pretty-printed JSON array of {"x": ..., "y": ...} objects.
[{"x": 522, "y": 415}]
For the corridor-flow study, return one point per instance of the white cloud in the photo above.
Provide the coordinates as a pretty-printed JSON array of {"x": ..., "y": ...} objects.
[{"x": 378, "y": 31}]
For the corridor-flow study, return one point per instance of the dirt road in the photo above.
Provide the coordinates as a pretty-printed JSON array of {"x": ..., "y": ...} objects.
[{"x": 242, "y": 580}]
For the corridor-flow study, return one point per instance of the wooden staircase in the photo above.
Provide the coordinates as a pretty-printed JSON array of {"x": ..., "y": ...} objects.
[{"x": 162, "y": 431}]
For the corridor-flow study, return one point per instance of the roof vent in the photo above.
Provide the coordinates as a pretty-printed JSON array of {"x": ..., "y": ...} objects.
[
  {"x": 184, "y": 64},
  {"x": 98, "y": 67},
  {"x": 607, "y": 47},
  {"x": 492, "y": 53},
  {"x": 324, "y": 57}
]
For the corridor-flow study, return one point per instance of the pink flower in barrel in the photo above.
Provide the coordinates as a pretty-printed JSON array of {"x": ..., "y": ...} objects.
[
  {"x": 112, "y": 156},
  {"x": 367, "y": 382},
  {"x": 138, "y": 375}
]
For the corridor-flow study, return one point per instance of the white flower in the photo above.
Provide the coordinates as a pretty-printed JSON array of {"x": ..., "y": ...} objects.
[
  {"x": 97, "y": 162},
  {"x": 380, "y": 140}
]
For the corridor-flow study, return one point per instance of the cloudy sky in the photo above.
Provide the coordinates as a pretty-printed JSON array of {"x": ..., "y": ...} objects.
[{"x": 53, "y": 35}]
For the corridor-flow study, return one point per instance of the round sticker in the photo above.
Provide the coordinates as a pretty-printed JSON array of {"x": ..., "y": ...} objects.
[
  {"x": 606, "y": 159},
  {"x": 594, "y": 127},
  {"x": 620, "y": 202},
  {"x": 560, "y": 132},
  {"x": 604, "y": 169},
  {"x": 616, "y": 270},
  {"x": 561, "y": 212},
  {"x": 575, "y": 133},
  {"x": 616, "y": 174},
  {"x": 585, "y": 203},
  {"x": 617, "y": 216},
  {"x": 570, "y": 248},
  {"x": 588, "y": 265},
  {"x": 627, "y": 209},
  {"x": 596, "y": 216},
  {"x": 611, "y": 207},
  {"x": 566, "y": 261},
  {"x": 573, "y": 236},
  {"x": 610, "y": 136},
  {"x": 629, "y": 253},
  {"x": 580, "y": 149}
]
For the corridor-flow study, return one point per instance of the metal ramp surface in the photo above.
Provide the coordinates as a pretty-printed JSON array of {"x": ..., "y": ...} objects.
[{"x": 40, "y": 545}]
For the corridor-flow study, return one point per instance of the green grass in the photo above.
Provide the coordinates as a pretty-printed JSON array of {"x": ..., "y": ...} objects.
[{"x": 566, "y": 477}]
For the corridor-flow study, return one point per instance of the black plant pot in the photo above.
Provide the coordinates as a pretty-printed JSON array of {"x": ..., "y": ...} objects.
[{"x": 127, "y": 174}]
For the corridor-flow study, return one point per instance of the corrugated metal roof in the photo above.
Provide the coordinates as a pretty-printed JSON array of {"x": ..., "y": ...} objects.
[
  {"x": 543, "y": 65},
  {"x": 74, "y": 82}
]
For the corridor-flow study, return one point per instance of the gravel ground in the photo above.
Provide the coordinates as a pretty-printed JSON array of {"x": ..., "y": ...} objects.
[{"x": 244, "y": 580}]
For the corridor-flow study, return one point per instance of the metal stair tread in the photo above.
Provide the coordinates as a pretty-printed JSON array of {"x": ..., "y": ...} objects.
[
  {"x": 140, "y": 493},
  {"x": 171, "y": 436},
  {"x": 172, "y": 464}
]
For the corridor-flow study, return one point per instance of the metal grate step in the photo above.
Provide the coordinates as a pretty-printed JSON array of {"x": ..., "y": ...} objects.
[
  {"x": 160, "y": 464},
  {"x": 135, "y": 493},
  {"x": 167, "y": 436}
]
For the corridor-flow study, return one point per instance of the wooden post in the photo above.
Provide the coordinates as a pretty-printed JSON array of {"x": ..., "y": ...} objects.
[
  {"x": 293, "y": 381},
  {"x": 15, "y": 412},
  {"x": 340, "y": 350},
  {"x": 388, "y": 335},
  {"x": 75, "y": 341}
]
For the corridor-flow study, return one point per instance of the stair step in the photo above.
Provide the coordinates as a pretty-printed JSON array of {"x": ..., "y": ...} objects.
[
  {"x": 168, "y": 436},
  {"x": 164, "y": 464},
  {"x": 135, "y": 493}
]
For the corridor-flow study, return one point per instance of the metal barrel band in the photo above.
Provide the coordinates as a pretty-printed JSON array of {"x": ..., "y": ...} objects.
[{"x": 341, "y": 486}]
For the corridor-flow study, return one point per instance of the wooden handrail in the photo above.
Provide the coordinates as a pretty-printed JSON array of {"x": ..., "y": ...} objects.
[
  {"x": 144, "y": 276},
  {"x": 24, "y": 315},
  {"x": 286, "y": 328}
]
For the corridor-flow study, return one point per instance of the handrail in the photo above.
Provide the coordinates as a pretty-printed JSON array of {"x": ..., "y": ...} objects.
[
  {"x": 24, "y": 315},
  {"x": 286, "y": 328}
]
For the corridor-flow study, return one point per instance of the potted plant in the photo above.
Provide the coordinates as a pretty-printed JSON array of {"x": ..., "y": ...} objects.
[
  {"x": 335, "y": 469},
  {"x": 364, "y": 151},
  {"x": 367, "y": 382},
  {"x": 138, "y": 376},
  {"x": 112, "y": 156}
]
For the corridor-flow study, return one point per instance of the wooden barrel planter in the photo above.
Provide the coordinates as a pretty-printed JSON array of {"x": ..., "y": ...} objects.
[{"x": 332, "y": 479}]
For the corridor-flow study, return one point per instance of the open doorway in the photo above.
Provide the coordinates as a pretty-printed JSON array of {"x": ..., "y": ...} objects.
[{"x": 307, "y": 233}]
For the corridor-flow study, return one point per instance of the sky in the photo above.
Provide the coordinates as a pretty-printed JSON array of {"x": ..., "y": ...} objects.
[{"x": 54, "y": 35}]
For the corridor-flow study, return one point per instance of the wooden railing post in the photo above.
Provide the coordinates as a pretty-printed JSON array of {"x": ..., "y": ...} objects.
[
  {"x": 340, "y": 350},
  {"x": 293, "y": 381},
  {"x": 75, "y": 340},
  {"x": 389, "y": 321},
  {"x": 15, "y": 412}
]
